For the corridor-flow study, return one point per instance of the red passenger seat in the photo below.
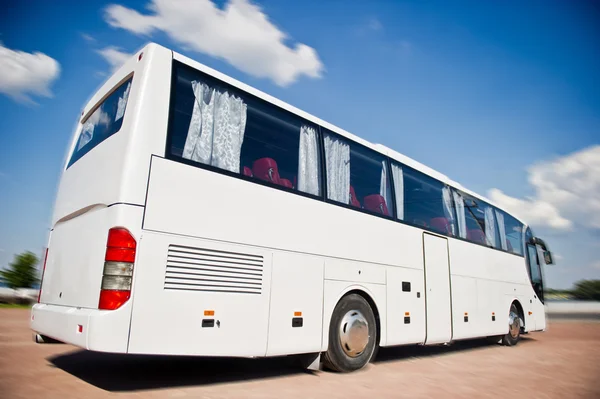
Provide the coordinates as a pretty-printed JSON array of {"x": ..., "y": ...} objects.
[
  {"x": 441, "y": 225},
  {"x": 286, "y": 183},
  {"x": 353, "y": 200},
  {"x": 247, "y": 171},
  {"x": 376, "y": 203},
  {"x": 476, "y": 236},
  {"x": 266, "y": 169}
]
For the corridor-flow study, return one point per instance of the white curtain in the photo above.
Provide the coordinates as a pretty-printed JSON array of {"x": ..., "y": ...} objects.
[
  {"x": 308, "y": 161},
  {"x": 490, "y": 230},
  {"x": 398, "y": 178},
  {"x": 122, "y": 103},
  {"x": 216, "y": 131},
  {"x": 502, "y": 228},
  {"x": 459, "y": 203},
  {"x": 447, "y": 199},
  {"x": 384, "y": 188},
  {"x": 337, "y": 155}
]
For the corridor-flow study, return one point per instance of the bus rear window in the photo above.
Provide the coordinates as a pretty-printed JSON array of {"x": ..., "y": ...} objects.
[{"x": 105, "y": 121}]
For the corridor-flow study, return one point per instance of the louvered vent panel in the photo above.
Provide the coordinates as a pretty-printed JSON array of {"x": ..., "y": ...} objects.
[{"x": 201, "y": 269}]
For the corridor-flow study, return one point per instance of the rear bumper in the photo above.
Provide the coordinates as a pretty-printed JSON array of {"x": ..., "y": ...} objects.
[{"x": 93, "y": 329}]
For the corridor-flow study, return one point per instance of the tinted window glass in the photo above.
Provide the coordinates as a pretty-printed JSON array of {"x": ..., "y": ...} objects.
[
  {"x": 513, "y": 229},
  {"x": 480, "y": 221},
  {"x": 427, "y": 202},
  {"x": 534, "y": 266},
  {"x": 535, "y": 271},
  {"x": 215, "y": 124},
  {"x": 357, "y": 176},
  {"x": 105, "y": 121}
]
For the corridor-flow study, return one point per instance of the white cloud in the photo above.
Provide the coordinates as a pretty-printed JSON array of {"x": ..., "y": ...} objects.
[
  {"x": 375, "y": 24},
  {"x": 88, "y": 38},
  {"x": 534, "y": 211},
  {"x": 114, "y": 56},
  {"x": 567, "y": 192},
  {"x": 240, "y": 34},
  {"x": 26, "y": 74},
  {"x": 596, "y": 265}
]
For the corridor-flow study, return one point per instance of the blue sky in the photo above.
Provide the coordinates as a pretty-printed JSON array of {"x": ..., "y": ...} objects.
[{"x": 503, "y": 97}]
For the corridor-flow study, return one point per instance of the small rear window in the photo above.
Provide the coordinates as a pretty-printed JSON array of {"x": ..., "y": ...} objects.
[{"x": 105, "y": 121}]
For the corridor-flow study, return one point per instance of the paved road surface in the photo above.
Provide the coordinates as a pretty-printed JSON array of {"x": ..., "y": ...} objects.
[{"x": 563, "y": 362}]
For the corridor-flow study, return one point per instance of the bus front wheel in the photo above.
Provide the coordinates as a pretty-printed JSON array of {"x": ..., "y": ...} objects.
[
  {"x": 352, "y": 335},
  {"x": 514, "y": 327}
]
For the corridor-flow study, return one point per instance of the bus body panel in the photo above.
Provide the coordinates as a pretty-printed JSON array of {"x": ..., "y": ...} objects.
[
  {"x": 296, "y": 292},
  {"x": 201, "y": 203},
  {"x": 76, "y": 253},
  {"x": 151, "y": 120},
  {"x": 93, "y": 189},
  {"x": 483, "y": 280},
  {"x": 62, "y": 323},
  {"x": 116, "y": 170},
  {"x": 75, "y": 260},
  {"x": 101, "y": 330},
  {"x": 102, "y": 170},
  {"x": 72, "y": 281},
  {"x": 403, "y": 299},
  {"x": 175, "y": 287}
]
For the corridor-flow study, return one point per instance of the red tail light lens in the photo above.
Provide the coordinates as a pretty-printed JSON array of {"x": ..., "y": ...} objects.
[
  {"x": 113, "y": 299},
  {"x": 118, "y": 269},
  {"x": 42, "y": 279},
  {"x": 120, "y": 238},
  {"x": 120, "y": 246},
  {"x": 120, "y": 255}
]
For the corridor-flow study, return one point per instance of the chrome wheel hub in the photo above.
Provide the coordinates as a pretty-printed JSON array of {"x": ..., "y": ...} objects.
[
  {"x": 354, "y": 333},
  {"x": 514, "y": 324}
]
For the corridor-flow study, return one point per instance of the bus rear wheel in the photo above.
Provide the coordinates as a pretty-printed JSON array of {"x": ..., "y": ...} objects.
[
  {"x": 514, "y": 327},
  {"x": 352, "y": 335}
]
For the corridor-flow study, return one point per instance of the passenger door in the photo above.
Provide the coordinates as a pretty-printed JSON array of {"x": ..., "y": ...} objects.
[{"x": 437, "y": 289}]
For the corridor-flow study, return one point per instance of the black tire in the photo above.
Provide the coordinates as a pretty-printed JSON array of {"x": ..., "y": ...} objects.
[
  {"x": 514, "y": 338},
  {"x": 336, "y": 357},
  {"x": 495, "y": 339}
]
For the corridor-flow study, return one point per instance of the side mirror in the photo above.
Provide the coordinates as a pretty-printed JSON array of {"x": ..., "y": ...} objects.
[{"x": 548, "y": 258}]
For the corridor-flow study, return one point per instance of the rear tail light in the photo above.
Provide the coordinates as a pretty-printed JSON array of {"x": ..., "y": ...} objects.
[
  {"x": 118, "y": 269},
  {"x": 42, "y": 279}
]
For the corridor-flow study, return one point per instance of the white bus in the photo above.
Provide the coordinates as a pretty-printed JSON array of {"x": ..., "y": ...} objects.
[{"x": 199, "y": 216}]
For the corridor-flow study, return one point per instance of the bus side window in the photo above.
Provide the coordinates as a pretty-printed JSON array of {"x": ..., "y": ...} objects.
[
  {"x": 428, "y": 203},
  {"x": 513, "y": 231},
  {"x": 357, "y": 176},
  {"x": 218, "y": 125}
]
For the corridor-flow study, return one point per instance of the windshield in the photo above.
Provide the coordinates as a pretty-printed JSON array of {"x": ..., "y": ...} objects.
[{"x": 105, "y": 121}]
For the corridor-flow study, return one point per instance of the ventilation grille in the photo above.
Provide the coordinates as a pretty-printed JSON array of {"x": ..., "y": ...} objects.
[{"x": 201, "y": 269}]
